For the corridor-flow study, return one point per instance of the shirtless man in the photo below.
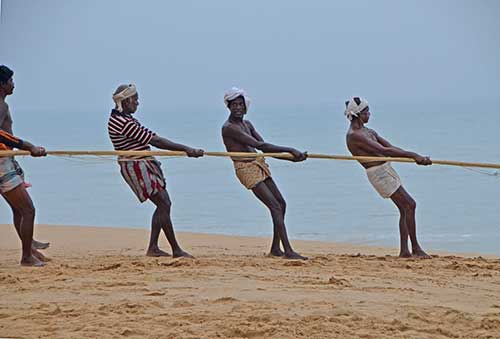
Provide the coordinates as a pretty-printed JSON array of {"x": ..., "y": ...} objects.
[
  {"x": 144, "y": 175},
  {"x": 362, "y": 141},
  {"x": 239, "y": 135},
  {"x": 12, "y": 185}
]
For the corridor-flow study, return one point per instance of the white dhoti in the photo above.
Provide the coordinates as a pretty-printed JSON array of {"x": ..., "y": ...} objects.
[{"x": 384, "y": 179}]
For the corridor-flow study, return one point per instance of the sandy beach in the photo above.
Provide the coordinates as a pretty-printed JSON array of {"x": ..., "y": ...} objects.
[{"x": 100, "y": 285}]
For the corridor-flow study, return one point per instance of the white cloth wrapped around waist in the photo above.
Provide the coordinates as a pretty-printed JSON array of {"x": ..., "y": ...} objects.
[{"x": 384, "y": 179}]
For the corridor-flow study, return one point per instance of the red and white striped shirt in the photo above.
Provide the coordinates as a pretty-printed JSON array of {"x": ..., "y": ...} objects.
[{"x": 127, "y": 133}]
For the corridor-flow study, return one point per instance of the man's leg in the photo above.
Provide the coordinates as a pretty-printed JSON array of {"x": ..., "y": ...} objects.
[
  {"x": 162, "y": 220},
  {"x": 275, "y": 246},
  {"x": 21, "y": 203},
  {"x": 407, "y": 224},
  {"x": 264, "y": 194},
  {"x": 162, "y": 206},
  {"x": 37, "y": 245}
]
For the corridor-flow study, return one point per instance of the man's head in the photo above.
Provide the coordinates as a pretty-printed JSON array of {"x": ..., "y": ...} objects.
[
  {"x": 126, "y": 99},
  {"x": 6, "y": 81},
  {"x": 237, "y": 101},
  {"x": 357, "y": 108}
]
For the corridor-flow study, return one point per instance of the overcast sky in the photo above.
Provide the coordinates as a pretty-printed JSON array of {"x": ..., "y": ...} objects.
[{"x": 71, "y": 54}]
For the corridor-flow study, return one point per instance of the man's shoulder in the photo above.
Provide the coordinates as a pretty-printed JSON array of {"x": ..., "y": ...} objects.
[
  {"x": 248, "y": 123},
  {"x": 228, "y": 126},
  {"x": 355, "y": 134},
  {"x": 121, "y": 118}
]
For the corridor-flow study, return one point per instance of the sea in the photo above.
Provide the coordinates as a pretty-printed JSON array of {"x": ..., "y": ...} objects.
[{"x": 458, "y": 209}]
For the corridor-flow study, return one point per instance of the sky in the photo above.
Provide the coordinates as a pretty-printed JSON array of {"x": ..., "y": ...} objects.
[{"x": 70, "y": 55}]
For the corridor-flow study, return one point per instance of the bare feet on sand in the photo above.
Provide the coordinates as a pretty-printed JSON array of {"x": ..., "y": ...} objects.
[
  {"x": 276, "y": 252},
  {"x": 294, "y": 255},
  {"x": 40, "y": 245},
  {"x": 182, "y": 254},
  {"x": 38, "y": 255},
  {"x": 156, "y": 252},
  {"x": 31, "y": 261},
  {"x": 405, "y": 254},
  {"x": 420, "y": 254}
]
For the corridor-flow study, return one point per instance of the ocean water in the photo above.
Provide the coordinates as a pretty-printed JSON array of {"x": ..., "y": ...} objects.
[{"x": 457, "y": 209}]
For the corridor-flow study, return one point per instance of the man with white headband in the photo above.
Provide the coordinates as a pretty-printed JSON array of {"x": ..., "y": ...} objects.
[
  {"x": 363, "y": 141},
  {"x": 144, "y": 174},
  {"x": 239, "y": 135}
]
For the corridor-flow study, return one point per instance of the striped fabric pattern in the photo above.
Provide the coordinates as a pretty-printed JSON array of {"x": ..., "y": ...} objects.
[
  {"x": 142, "y": 174},
  {"x": 127, "y": 133},
  {"x": 144, "y": 177}
]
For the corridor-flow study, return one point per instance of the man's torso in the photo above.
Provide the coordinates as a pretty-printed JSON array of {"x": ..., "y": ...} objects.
[
  {"x": 121, "y": 142},
  {"x": 358, "y": 150},
  {"x": 233, "y": 145},
  {"x": 5, "y": 118}
]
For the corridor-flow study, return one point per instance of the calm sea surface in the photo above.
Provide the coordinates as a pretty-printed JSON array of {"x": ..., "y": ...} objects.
[{"x": 457, "y": 209}]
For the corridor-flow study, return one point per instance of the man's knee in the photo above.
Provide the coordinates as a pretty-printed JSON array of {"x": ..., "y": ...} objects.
[
  {"x": 166, "y": 204},
  {"x": 277, "y": 207},
  {"x": 283, "y": 205},
  {"x": 409, "y": 205}
]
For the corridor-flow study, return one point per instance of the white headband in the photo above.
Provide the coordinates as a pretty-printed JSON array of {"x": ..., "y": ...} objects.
[
  {"x": 125, "y": 94},
  {"x": 353, "y": 109},
  {"x": 235, "y": 92}
]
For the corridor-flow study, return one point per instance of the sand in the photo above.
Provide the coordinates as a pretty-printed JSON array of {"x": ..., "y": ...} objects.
[{"x": 100, "y": 285}]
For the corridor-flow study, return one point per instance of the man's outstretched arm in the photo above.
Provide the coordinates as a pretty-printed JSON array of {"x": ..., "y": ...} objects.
[
  {"x": 384, "y": 148},
  {"x": 250, "y": 140},
  {"x": 164, "y": 143},
  {"x": 14, "y": 142},
  {"x": 386, "y": 143}
]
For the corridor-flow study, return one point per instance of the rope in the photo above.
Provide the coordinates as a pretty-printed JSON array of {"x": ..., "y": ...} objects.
[{"x": 252, "y": 155}]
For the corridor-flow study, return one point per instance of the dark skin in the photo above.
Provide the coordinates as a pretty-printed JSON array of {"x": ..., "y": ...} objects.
[
  {"x": 239, "y": 135},
  {"x": 18, "y": 198},
  {"x": 161, "y": 217},
  {"x": 362, "y": 141}
]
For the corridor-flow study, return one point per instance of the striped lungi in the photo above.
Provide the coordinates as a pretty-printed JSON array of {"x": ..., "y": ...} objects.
[{"x": 144, "y": 177}]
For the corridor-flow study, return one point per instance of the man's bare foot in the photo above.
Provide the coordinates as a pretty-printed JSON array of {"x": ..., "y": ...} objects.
[
  {"x": 276, "y": 252},
  {"x": 156, "y": 252},
  {"x": 38, "y": 255},
  {"x": 294, "y": 255},
  {"x": 182, "y": 254},
  {"x": 405, "y": 254},
  {"x": 31, "y": 261},
  {"x": 40, "y": 245},
  {"x": 420, "y": 254}
]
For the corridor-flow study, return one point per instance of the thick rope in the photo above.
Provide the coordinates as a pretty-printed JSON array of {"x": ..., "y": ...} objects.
[{"x": 252, "y": 155}]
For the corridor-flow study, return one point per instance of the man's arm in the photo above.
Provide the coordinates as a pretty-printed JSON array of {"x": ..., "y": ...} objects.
[
  {"x": 250, "y": 140},
  {"x": 10, "y": 140},
  {"x": 255, "y": 134},
  {"x": 386, "y": 149},
  {"x": 14, "y": 142},
  {"x": 384, "y": 142},
  {"x": 164, "y": 143}
]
